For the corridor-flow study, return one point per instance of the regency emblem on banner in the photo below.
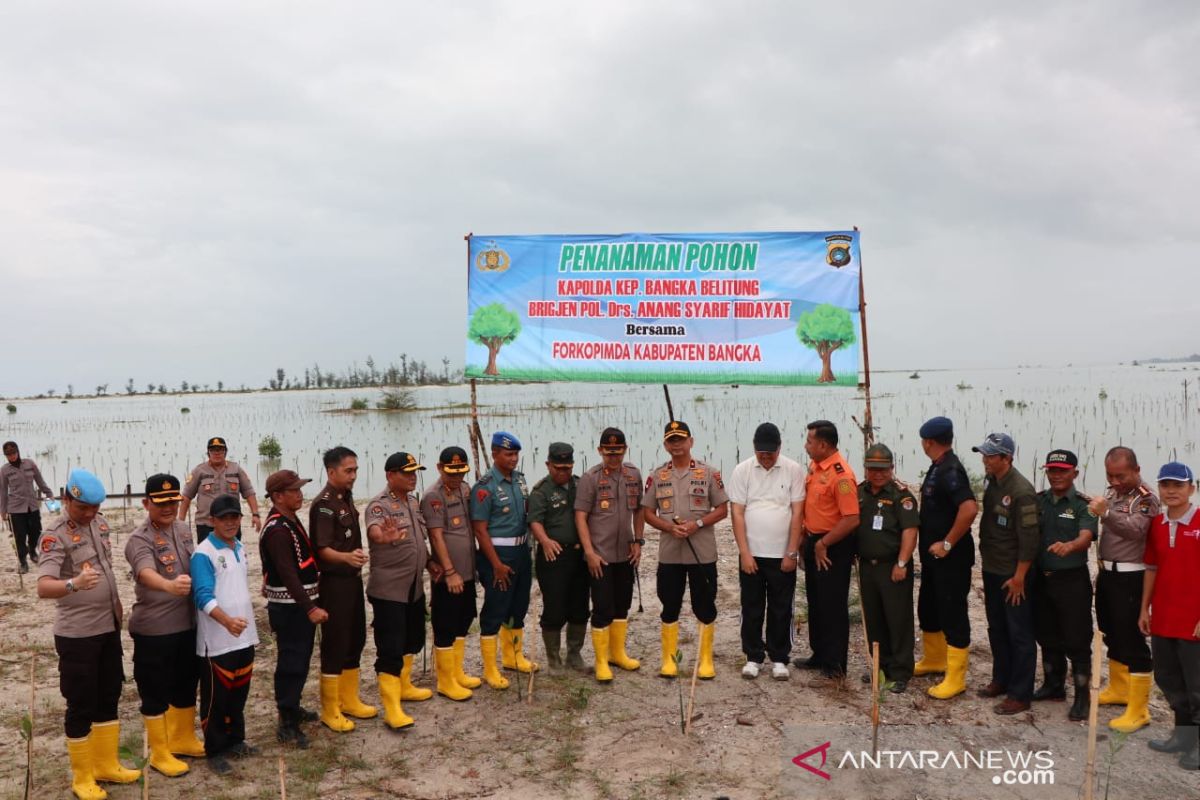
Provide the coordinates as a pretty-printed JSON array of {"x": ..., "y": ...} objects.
[
  {"x": 837, "y": 250},
  {"x": 493, "y": 259}
]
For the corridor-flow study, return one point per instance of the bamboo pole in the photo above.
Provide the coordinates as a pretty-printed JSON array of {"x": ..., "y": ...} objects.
[
  {"x": 670, "y": 410},
  {"x": 875, "y": 697},
  {"x": 282, "y": 779},
  {"x": 29, "y": 742},
  {"x": 475, "y": 426},
  {"x": 687, "y": 726},
  {"x": 1089, "y": 770},
  {"x": 868, "y": 426}
]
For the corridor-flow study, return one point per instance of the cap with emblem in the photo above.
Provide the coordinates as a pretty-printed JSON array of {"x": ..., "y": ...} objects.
[
  {"x": 402, "y": 462},
  {"x": 1061, "y": 459},
  {"x": 505, "y": 441},
  {"x": 996, "y": 444},
  {"x": 84, "y": 487},
  {"x": 560, "y": 453},
  {"x": 612, "y": 440},
  {"x": 454, "y": 460},
  {"x": 1175, "y": 471},
  {"x": 283, "y": 480},
  {"x": 878, "y": 456},
  {"x": 676, "y": 430},
  {"x": 767, "y": 438},
  {"x": 217, "y": 443},
  {"x": 163, "y": 488},
  {"x": 937, "y": 428},
  {"x": 225, "y": 505}
]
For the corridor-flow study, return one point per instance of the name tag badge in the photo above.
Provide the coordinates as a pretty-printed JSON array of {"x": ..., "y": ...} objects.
[
  {"x": 1002, "y": 520},
  {"x": 877, "y": 523}
]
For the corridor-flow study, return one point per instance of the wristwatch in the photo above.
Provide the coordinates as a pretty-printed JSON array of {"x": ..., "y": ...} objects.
[
  {"x": 699, "y": 524},
  {"x": 901, "y": 564},
  {"x": 946, "y": 544},
  {"x": 640, "y": 542},
  {"x": 794, "y": 555},
  {"x": 71, "y": 586}
]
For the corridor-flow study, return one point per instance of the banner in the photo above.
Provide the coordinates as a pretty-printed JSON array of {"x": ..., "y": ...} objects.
[{"x": 768, "y": 308}]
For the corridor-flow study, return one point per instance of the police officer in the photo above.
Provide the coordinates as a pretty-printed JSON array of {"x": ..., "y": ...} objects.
[
  {"x": 947, "y": 549},
  {"x": 212, "y": 478},
  {"x": 887, "y": 538},
  {"x": 611, "y": 524},
  {"x": 505, "y": 567},
  {"x": 1009, "y": 540},
  {"x": 19, "y": 502},
  {"x": 333, "y": 521},
  {"x": 1063, "y": 611},
  {"x": 1127, "y": 509},
  {"x": 399, "y": 557},
  {"x": 561, "y": 570},
  {"x": 446, "y": 508},
  {"x": 163, "y": 627},
  {"x": 75, "y": 568},
  {"x": 291, "y": 580},
  {"x": 684, "y": 499}
]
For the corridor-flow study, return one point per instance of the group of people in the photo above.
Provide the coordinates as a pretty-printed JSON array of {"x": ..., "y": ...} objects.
[{"x": 193, "y": 625}]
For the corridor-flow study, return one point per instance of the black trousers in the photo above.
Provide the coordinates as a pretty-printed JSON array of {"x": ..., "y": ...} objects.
[
  {"x": 1062, "y": 618},
  {"x": 612, "y": 593},
  {"x": 399, "y": 631},
  {"x": 1011, "y": 634},
  {"x": 888, "y": 609},
  {"x": 828, "y": 594},
  {"x": 770, "y": 592},
  {"x": 701, "y": 579},
  {"x": 942, "y": 597},
  {"x": 451, "y": 614},
  {"x": 564, "y": 584},
  {"x": 294, "y": 641},
  {"x": 166, "y": 670},
  {"x": 1118, "y": 602},
  {"x": 505, "y": 606},
  {"x": 344, "y": 636},
  {"x": 27, "y": 527},
  {"x": 1177, "y": 673},
  {"x": 224, "y": 687},
  {"x": 90, "y": 674}
]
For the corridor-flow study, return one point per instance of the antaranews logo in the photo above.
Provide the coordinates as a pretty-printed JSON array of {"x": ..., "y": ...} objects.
[{"x": 801, "y": 760}]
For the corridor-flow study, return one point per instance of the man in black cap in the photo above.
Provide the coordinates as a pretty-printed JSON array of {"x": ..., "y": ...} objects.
[
  {"x": 766, "y": 495},
  {"x": 211, "y": 479},
  {"x": 559, "y": 565},
  {"x": 947, "y": 552},
  {"x": 290, "y": 584}
]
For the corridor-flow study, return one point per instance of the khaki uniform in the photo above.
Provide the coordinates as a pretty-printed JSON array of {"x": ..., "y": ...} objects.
[
  {"x": 395, "y": 586},
  {"x": 205, "y": 484},
  {"x": 451, "y": 614},
  {"x": 612, "y": 500},
  {"x": 1119, "y": 581}
]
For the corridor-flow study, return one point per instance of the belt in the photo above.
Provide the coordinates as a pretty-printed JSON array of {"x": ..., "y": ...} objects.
[
  {"x": 1122, "y": 566},
  {"x": 876, "y": 561},
  {"x": 510, "y": 541}
]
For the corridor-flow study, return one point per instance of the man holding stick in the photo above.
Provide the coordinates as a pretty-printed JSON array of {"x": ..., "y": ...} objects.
[{"x": 19, "y": 502}]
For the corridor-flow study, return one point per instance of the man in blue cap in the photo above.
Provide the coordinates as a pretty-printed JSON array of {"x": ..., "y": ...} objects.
[
  {"x": 505, "y": 567},
  {"x": 75, "y": 568}
]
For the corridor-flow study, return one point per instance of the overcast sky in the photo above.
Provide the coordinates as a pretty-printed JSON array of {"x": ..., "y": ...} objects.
[{"x": 208, "y": 191}]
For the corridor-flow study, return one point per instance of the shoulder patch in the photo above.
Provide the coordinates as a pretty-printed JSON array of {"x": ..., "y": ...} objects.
[
  {"x": 907, "y": 504},
  {"x": 376, "y": 509},
  {"x": 326, "y": 510},
  {"x": 717, "y": 478},
  {"x": 649, "y": 482},
  {"x": 481, "y": 495},
  {"x": 844, "y": 487},
  {"x": 49, "y": 542}
]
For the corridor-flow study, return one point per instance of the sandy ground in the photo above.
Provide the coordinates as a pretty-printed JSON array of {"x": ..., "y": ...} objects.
[{"x": 582, "y": 739}]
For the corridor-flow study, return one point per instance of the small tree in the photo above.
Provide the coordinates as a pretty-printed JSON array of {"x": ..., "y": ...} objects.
[
  {"x": 493, "y": 326},
  {"x": 825, "y": 329},
  {"x": 270, "y": 448}
]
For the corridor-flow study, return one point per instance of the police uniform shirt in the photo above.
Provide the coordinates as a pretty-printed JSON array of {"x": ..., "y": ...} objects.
[
  {"x": 205, "y": 484},
  {"x": 16, "y": 487},
  {"x": 169, "y": 553},
  {"x": 829, "y": 494},
  {"x": 945, "y": 488},
  {"x": 553, "y": 507},
  {"x": 681, "y": 495},
  {"x": 333, "y": 523},
  {"x": 65, "y": 549},
  {"x": 1008, "y": 528},
  {"x": 449, "y": 510},
  {"x": 1061, "y": 520},
  {"x": 611, "y": 499},
  {"x": 1124, "y": 528},
  {"x": 883, "y": 518},
  {"x": 500, "y": 502},
  {"x": 396, "y": 566}
]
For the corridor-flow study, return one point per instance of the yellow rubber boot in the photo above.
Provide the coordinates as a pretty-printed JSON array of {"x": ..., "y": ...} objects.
[
  {"x": 331, "y": 705},
  {"x": 352, "y": 704},
  {"x": 933, "y": 654},
  {"x": 407, "y": 690},
  {"x": 600, "y": 643},
  {"x": 487, "y": 649},
  {"x": 707, "y": 671},
  {"x": 616, "y": 645},
  {"x": 105, "y": 740},
  {"x": 181, "y": 732},
  {"x": 670, "y": 643},
  {"x": 1117, "y": 691},
  {"x": 955, "y": 681},
  {"x": 447, "y": 684},
  {"x": 512, "y": 650},
  {"x": 462, "y": 678},
  {"x": 160, "y": 752},
  {"x": 1137, "y": 713},
  {"x": 390, "y": 690},
  {"x": 83, "y": 779}
]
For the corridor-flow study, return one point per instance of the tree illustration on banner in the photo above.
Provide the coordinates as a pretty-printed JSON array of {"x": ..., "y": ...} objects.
[
  {"x": 825, "y": 329},
  {"x": 492, "y": 326}
]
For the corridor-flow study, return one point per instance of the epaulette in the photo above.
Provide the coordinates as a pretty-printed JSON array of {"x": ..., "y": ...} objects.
[
  {"x": 1143, "y": 491},
  {"x": 901, "y": 485},
  {"x": 538, "y": 485}
]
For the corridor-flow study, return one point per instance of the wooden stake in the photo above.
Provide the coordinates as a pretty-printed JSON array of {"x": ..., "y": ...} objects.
[
  {"x": 146, "y": 767},
  {"x": 282, "y": 778},
  {"x": 533, "y": 651},
  {"x": 687, "y": 727},
  {"x": 868, "y": 424},
  {"x": 1089, "y": 770},
  {"x": 475, "y": 426},
  {"x": 670, "y": 410},
  {"x": 875, "y": 697},
  {"x": 29, "y": 743}
]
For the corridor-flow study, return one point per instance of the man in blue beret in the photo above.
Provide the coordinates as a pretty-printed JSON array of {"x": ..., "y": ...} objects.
[{"x": 505, "y": 567}]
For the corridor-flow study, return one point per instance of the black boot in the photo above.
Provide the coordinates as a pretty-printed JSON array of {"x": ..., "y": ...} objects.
[
  {"x": 1083, "y": 694},
  {"x": 553, "y": 642},
  {"x": 290, "y": 731},
  {"x": 1182, "y": 737},
  {"x": 576, "y": 633},
  {"x": 1052, "y": 688},
  {"x": 1191, "y": 758}
]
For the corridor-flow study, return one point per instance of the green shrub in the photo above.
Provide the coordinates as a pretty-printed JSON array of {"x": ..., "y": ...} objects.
[{"x": 269, "y": 447}]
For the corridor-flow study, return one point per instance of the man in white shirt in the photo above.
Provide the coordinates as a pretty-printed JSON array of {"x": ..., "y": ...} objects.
[{"x": 766, "y": 493}]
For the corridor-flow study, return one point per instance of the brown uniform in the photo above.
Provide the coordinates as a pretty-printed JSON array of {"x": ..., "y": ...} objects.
[
  {"x": 333, "y": 523},
  {"x": 397, "y": 567},
  {"x": 611, "y": 500},
  {"x": 204, "y": 484},
  {"x": 16, "y": 487},
  {"x": 451, "y": 614},
  {"x": 1119, "y": 582}
]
